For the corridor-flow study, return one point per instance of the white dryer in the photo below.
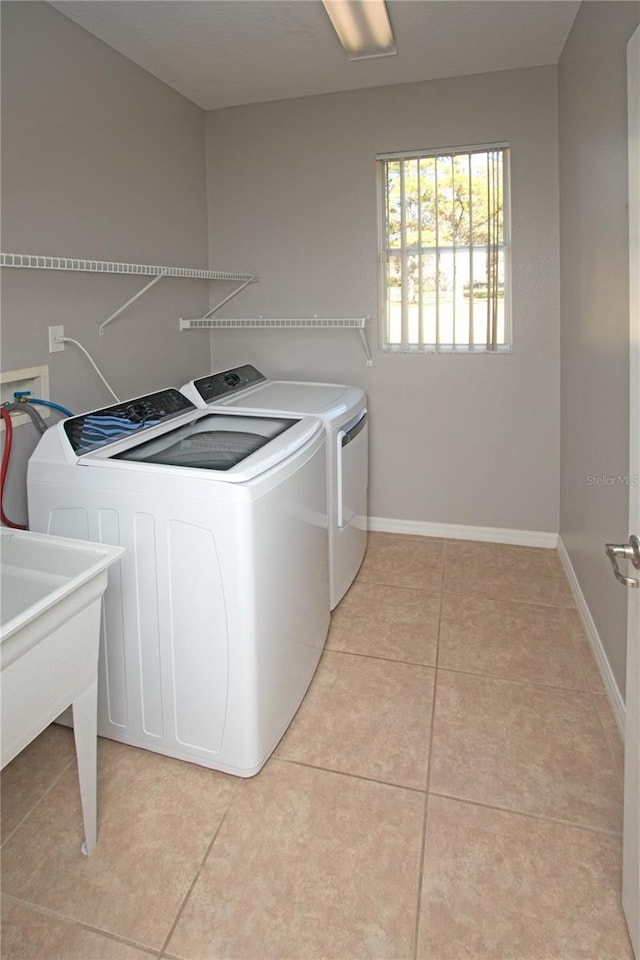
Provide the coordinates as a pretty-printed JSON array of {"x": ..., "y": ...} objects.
[
  {"x": 343, "y": 410},
  {"x": 218, "y": 612}
]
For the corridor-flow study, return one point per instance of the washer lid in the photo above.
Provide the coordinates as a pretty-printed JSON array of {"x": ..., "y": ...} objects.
[
  {"x": 165, "y": 432},
  {"x": 214, "y": 442},
  {"x": 230, "y": 446}
]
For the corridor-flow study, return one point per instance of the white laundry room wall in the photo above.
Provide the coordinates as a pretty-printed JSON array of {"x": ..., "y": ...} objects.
[
  {"x": 100, "y": 161},
  {"x": 455, "y": 440}
]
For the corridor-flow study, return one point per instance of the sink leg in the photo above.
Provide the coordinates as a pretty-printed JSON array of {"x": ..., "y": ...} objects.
[{"x": 85, "y": 731}]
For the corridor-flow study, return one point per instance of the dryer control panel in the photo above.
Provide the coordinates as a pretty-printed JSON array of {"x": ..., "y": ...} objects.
[
  {"x": 99, "y": 427},
  {"x": 223, "y": 384}
]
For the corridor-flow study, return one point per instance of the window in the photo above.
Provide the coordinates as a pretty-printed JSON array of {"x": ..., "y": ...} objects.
[{"x": 444, "y": 263}]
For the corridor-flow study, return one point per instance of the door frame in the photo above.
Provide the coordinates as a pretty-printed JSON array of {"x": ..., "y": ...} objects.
[{"x": 631, "y": 829}]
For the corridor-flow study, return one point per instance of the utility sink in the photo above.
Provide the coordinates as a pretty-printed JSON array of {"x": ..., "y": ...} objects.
[{"x": 49, "y": 637}]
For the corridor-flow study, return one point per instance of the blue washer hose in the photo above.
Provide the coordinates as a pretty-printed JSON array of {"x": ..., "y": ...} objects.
[{"x": 22, "y": 395}]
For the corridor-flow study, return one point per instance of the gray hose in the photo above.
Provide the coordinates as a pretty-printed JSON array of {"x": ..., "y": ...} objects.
[{"x": 24, "y": 407}]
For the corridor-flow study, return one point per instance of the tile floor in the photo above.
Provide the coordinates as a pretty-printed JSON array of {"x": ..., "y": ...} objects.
[{"x": 450, "y": 788}]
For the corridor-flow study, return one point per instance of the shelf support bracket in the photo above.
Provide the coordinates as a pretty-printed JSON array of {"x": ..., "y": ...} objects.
[
  {"x": 365, "y": 344},
  {"x": 129, "y": 302},
  {"x": 234, "y": 293}
]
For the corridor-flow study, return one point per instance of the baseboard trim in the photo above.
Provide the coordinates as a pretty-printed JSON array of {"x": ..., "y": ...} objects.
[
  {"x": 456, "y": 531},
  {"x": 610, "y": 685}
]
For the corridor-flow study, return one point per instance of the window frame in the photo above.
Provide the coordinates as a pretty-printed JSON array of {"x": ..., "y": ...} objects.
[{"x": 483, "y": 349}]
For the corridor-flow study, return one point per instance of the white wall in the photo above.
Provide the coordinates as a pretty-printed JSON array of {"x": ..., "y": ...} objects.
[
  {"x": 292, "y": 197},
  {"x": 595, "y": 308},
  {"x": 99, "y": 160}
]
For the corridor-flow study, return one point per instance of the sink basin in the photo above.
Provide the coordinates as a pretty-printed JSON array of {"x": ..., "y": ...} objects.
[{"x": 49, "y": 637}]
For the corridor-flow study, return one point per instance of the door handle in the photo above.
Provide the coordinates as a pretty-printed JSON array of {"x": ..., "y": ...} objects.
[
  {"x": 339, "y": 497},
  {"x": 625, "y": 551}
]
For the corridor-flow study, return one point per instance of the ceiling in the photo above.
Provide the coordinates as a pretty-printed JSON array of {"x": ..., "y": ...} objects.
[{"x": 222, "y": 53}]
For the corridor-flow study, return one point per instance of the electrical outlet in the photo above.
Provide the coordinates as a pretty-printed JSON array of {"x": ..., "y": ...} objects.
[{"x": 55, "y": 339}]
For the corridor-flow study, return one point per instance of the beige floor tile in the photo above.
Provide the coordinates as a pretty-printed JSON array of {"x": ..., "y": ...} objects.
[
  {"x": 308, "y": 864},
  {"x": 156, "y": 818},
  {"x": 500, "y": 886},
  {"x": 502, "y": 572},
  {"x": 365, "y": 716},
  {"x": 28, "y": 777},
  {"x": 28, "y": 934},
  {"x": 391, "y": 604},
  {"x": 535, "y": 749},
  {"x": 314, "y": 863},
  {"x": 402, "y": 561},
  {"x": 375, "y": 637},
  {"x": 505, "y": 556},
  {"x": 518, "y": 641}
]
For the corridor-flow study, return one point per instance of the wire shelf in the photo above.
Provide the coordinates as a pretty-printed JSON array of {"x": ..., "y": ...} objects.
[
  {"x": 331, "y": 323},
  {"x": 28, "y": 261},
  {"x": 354, "y": 323}
]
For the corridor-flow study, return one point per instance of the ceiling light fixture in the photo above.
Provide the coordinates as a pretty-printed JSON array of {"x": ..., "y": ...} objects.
[{"x": 363, "y": 27}]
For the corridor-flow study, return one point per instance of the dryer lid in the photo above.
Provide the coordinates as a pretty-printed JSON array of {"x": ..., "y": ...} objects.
[
  {"x": 317, "y": 399},
  {"x": 246, "y": 388}
]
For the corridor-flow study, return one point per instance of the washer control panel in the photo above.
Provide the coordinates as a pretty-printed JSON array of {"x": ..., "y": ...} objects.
[
  {"x": 223, "y": 384},
  {"x": 95, "y": 429}
]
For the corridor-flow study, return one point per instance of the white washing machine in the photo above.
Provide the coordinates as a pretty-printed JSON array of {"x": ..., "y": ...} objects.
[
  {"x": 343, "y": 410},
  {"x": 217, "y": 614}
]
